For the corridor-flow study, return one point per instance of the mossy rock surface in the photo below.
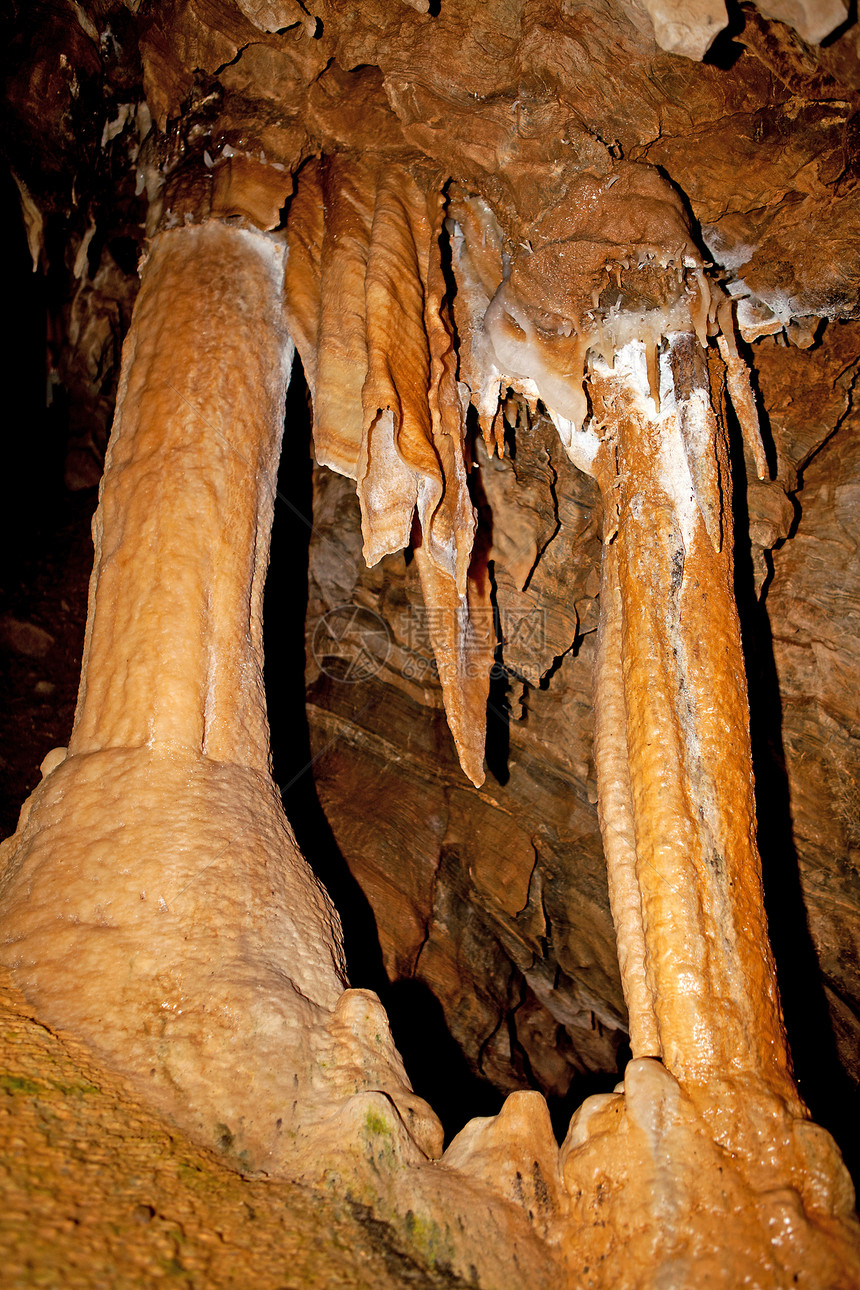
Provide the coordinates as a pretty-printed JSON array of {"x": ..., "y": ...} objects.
[{"x": 96, "y": 1190}]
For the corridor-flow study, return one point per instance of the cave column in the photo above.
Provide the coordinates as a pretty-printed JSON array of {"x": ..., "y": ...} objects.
[
  {"x": 173, "y": 652},
  {"x": 161, "y": 825},
  {"x": 673, "y": 752},
  {"x": 154, "y": 900}
]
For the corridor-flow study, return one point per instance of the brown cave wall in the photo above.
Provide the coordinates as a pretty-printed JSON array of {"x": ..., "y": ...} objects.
[
  {"x": 495, "y": 899},
  {"x": 810, "y": 806}
]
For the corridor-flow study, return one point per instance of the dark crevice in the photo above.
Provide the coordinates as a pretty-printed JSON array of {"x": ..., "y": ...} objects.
[
  {"x": 436, "y": 1065},
  {"x": 498, "y": 745},
  {"x": 824, "y": 1084},
  {"x": 534, "y": 879},
  {"x": 556, "y": 530},
  {"x": 556, "y": 663},
  {"x": 284, "y": 212},
  {"x": 819, "y": 448},
  {"x": 584, "y": 1084},
  {"x": 435, "y": 1062},
  {"x": 230, "y": 61},
  {"x": 285, "y": 608},
  {"x": 767, "y": 438},
  {"x": 726, "y": 50}
]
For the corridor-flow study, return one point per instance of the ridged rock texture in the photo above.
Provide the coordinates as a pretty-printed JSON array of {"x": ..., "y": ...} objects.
[
  {"x": 575, "y": 310},
  {"x": 198, "y": 913}
]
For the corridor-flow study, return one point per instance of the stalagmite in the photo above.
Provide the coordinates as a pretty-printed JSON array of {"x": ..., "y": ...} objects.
[{"x": 154, "y": 899}]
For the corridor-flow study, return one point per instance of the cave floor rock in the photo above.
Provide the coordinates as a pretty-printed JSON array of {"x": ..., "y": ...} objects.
[{"x": 97, "y": 1190}]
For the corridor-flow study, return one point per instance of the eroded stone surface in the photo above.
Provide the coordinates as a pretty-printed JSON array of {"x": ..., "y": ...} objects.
[{"x": 97, "y": 1188}]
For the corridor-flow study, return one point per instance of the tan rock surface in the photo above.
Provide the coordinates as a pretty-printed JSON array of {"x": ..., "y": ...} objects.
[
  {"x": 812, "y": 604},
  {"x": 97, "y": 1189},
  {"x": 813, "y": 19},
  {"x": 655, "y": 1199},
  {"x": 689, "y": 29}
]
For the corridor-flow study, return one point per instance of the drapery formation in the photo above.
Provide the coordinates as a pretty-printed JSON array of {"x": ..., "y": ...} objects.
[{"x": 367, "y": 303}]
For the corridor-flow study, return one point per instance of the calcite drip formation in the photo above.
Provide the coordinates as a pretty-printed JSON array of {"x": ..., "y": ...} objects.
[
  {"x": 407, "y": 303},
  {"x": 604, "y": 316},
  {"x": 394, "y": 354}
]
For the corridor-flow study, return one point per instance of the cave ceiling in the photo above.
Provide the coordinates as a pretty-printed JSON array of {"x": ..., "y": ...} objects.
[{"x": 482, "y": 911}]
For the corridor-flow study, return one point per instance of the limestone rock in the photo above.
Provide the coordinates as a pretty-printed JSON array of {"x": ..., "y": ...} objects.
[
  {"x": 688, "y": 29},
  {"x": 96, "y": 1187},
  {"x": 516, "y": 1154},
  {"x": 812, "y": 603},
  {"x": 536, "y": 156},
  {"x": 812, "y": 18},
  {"x": 639, "y": 1168}
]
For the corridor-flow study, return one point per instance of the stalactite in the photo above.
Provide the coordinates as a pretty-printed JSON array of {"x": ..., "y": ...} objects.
[{"x": 366, "y": 300}]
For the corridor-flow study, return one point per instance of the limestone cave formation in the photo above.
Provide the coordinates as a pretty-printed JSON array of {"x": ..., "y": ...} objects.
[{"x": 431, "y": 745}]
